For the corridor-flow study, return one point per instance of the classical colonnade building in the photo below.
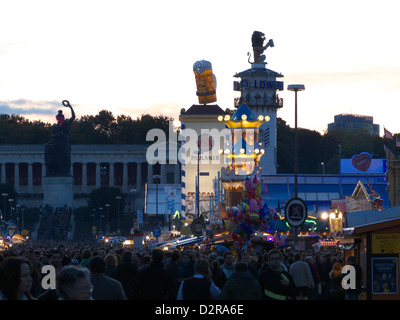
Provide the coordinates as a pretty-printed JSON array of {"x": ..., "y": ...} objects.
[{"x": 92, "y": 166}]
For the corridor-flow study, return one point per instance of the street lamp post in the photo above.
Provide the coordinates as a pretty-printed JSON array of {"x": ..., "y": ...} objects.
[
  {"x": 101, "y": 216},
  {"x": 133, "y": 201},
  {"x": 157, "y": 176},
  {"x": 11, "y": 206},
  {"x": 5, "y": 195},
  {"x": 107, "y": 223},
  {"x": 23, "y": 216},
  {"x": 198, "y": 185},
  {"x": 296, "y": 88},
  {"x": 94, "y": 228},
  {"x": 18, "y": 226},
  {"x": 118, "y": 198}
]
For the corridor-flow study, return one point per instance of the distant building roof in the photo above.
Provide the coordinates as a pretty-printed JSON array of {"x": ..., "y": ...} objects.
[
  {"x": 258, "y": 71},
  {"x": 244, "y": 110},
  {"x": 203, "y": 109},
  {"x": 349, "y": 122}
]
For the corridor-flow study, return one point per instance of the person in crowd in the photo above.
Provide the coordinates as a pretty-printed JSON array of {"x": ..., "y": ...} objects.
[
  {"x": 263, "y": 264},
  {"x": 126, "y": 272},
  {"x": 73, "y": 283},
  {"x": 86, "y": 256},
  {"x": 276, "y": 283},
  {"x": 137, "y": 259},
  {"x": 185, "y": 266},
  {"x": 313, "y": 292},
  {"x": 104, "y": 287},
  {"x": 354, "y": 294},
  {"x": 153, "y": 282},
  {"x": 335, "y": 281},
  {"x": 301, "y": 274},
  {"x": 323, "y": 293},
  {"x": 217, "y": 275},
  {"x": 15, "y": 279},
  {"x": 200, "y": 285},
  {"x": 172, "y": 267},
  {"x": 242, "y": 285},
  {"x": 146, "y": 260},
  {"x": 228, "y": 266},
  {"x": 56, "y": 260},
  {"x": 111, "y": 265},
  {"x": 66, "y": 260},
  {"x": 245, "y": 257}
]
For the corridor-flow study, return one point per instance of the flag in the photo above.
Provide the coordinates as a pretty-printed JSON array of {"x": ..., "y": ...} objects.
[
  {"x": 388, "y": 134},
  {"x": 398, "y": 142}
]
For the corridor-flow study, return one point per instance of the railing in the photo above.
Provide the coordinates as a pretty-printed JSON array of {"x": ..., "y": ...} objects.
[{"x": 274, "y": 102}]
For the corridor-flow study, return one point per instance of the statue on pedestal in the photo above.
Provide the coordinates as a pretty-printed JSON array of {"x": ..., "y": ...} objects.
[
  {"x": 257, "y": 41},
  {"x": 57, "y": 152}
]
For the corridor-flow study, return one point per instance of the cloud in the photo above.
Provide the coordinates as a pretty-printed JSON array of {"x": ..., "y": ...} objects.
[{"x": 26, "y": 107}]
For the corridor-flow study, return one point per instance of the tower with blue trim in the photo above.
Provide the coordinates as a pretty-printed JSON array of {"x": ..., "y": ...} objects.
[{"x": 259, "y": 88}]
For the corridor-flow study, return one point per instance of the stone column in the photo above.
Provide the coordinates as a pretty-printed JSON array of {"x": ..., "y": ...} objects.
[
  {"x": 98, "y": 178},
  {"x": 111, "y": 175},
  {"x": 16, "y": 176},
  {"x": 30, "y": 178},
  {"x": 125, "y": 177},
  {"x": 138, "y": 177},
  {"x": 3, "y": 173},
  {"x": 84, "y": 177}
]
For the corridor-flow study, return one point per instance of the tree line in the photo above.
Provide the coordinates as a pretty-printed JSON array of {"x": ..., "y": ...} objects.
[
  {"x": 105, "y": 128},
  {"x": 328, "y": 148}
]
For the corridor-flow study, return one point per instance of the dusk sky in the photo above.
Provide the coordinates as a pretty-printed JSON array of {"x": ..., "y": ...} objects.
[{"x": 134, "y": 57}]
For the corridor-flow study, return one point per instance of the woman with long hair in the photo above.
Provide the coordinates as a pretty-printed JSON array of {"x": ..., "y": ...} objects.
[
  {"x": 335, "y": 279},
  {"x": 15, "y": 279}
]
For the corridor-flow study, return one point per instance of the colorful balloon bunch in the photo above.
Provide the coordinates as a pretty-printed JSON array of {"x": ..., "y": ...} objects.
[{"x": 250, "y": 215}]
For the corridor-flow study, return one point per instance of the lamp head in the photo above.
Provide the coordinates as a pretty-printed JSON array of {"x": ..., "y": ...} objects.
[{"x": 296, "y": 87}]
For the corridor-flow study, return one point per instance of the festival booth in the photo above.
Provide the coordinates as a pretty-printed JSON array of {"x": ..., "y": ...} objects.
[{"x": 373, "y": 237}]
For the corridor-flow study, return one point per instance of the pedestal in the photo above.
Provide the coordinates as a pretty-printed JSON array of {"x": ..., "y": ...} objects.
[{"x": 58, "y": 191}]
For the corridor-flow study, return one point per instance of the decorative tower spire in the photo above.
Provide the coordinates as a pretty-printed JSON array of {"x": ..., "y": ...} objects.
[{"x": 258, "y": 87}]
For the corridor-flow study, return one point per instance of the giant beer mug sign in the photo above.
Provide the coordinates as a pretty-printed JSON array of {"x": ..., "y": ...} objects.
[{"x": 205, "y": 82}]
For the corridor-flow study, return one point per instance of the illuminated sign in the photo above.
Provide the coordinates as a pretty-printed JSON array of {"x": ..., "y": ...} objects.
[
  {"x": 205, "y": 142},
  {"x": 296, "y": 212},
  {"x": 363, "y": 163},
  {"x": 245, "y": 84}
]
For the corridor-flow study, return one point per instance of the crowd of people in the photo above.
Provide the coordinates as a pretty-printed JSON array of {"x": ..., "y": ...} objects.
[
  {"x": 88, "y": 270},
  {"x": 54, "y": 223}
]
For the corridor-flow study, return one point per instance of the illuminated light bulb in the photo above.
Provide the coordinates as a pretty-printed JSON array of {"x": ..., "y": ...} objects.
[
  {"x": 227, "y": 117},
  {"x": 257, "y": 151},
  {"x": 244, "y": 117},
  {"x": 261, "y": 117},
  {"x": 267, "y": 118},
  {"x": 221, "y": 151},
  {"x": 242, "y": 150},
  {"x": 220, "y": 118},
  {"x": 324, "y": 215},
  {"x": 226, "y": 151},
  {"x": 262, "y": 151}
]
